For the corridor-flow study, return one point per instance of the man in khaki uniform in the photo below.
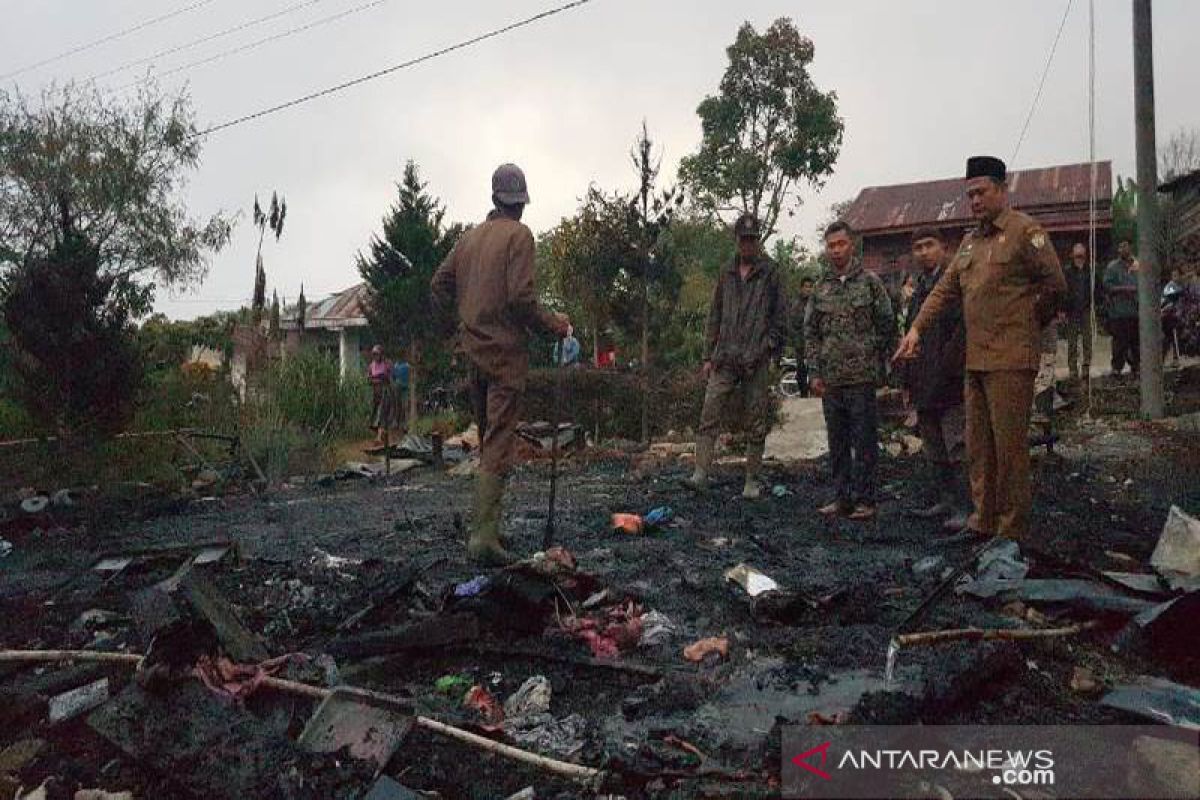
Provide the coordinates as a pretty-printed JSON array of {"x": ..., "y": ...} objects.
[
  {"x": 1007, "y": 276},
  {"x": 488, "y": 278},
  {"x": 747, "y": 328}
]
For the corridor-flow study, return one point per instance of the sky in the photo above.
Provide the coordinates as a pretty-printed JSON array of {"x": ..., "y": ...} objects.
[{"x": 921, "y": 85}]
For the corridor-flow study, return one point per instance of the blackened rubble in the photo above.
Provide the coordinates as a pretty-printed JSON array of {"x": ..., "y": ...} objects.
[{"x": 369, "y": 583}]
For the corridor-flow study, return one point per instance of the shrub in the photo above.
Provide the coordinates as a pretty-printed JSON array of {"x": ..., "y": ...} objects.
[{"x": 297, "y": 408}]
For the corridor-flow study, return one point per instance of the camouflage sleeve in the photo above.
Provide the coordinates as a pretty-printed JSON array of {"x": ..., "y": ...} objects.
[
  {"x": 1048, "y": 276},
  {"x": 812, "y": 338},
  {"x": 712, "y": 330}
]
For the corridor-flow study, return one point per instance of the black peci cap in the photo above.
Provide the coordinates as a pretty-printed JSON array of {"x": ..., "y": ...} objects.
[{"x": 986, "y": 167}]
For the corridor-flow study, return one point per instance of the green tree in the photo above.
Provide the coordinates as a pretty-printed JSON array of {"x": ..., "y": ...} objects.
[
  {"x": 398, "y": 266},
  {"x": 769, "y": 129},
  {"x": 92, "y": 220},
  {"x": 114, "y": 172},
  {"x": 75, "y": 359}
]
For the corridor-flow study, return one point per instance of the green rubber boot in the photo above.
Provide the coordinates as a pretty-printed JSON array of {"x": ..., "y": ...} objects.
[
  {"x": 484, "y": 546},
  {"x": 705, "y": 445},
  {"x": 752, "y": 490}
]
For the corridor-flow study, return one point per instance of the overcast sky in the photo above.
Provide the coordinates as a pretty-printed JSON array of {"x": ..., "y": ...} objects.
[{"x": 922, "y": 84}]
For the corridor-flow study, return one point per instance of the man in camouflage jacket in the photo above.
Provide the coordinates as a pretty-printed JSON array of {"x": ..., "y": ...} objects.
[{"x": 849, "y": 330}]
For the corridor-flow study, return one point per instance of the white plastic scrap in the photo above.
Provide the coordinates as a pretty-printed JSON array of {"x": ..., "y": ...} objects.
[
  {"x": 750, "y": 579},
  {"x": 1177, "y": 555}
]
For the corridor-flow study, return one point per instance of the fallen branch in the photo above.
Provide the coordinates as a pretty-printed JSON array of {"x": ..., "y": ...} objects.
[
  {"x": 562, "y": 768},
  {"x": 985, "y": 634}
]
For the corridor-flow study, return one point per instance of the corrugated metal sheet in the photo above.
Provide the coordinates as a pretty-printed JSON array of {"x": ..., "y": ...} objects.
[
  {"x": 346, "y": 309},
  {"x": 1056, "y": 195}
]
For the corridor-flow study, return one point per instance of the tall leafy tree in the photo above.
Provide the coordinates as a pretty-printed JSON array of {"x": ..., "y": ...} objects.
[
  {"x": 92, "y": 221},
  {"x": 768, "y": 131},
  {"x": 397, "y": 268}
]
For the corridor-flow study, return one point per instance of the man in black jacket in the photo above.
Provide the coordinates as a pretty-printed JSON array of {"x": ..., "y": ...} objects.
[{"x": 934, "y": 382}]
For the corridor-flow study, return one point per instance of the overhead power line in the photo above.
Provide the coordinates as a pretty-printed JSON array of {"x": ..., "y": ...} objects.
[
  {"x": 265, "y": 40},
  {"x": 112, "y": 37},
  {"x": 204, "y": 40},
  {"x": 395, "y": 68},
  {"x": 1042, "y": 83}
]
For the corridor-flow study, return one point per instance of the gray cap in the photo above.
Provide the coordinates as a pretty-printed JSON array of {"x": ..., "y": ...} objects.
[{"x": 508, "y": 185}]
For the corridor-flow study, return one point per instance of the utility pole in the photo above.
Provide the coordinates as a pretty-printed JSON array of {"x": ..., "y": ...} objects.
[{"x": 1149, "y": 290}]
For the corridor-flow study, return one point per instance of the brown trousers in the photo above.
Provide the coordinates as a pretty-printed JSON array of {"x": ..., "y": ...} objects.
[
  {"x": 497, "y": 406},
  {"x": 998, "y": 405},
  {"x": 745, "y": 393}
]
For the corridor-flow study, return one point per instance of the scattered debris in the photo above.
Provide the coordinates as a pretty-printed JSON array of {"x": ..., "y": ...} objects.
[
  {"x": 69, "y": 705},
  {"x": 1160, "y": 700},
  {"x": 533, "y": 697},
  {"x": 491, "y": 713},
  {"x": 1166, "y": 633},
  {"x": 6, "y": 547},
  {"x": 541, "y": 435},
  {"x": 714, "y": 645},
  {"x": 1177, "y": 555},
  {"x": 1083, "y": 681},
  {"x": 780, "y": 491},
  {"x": 929, "y": 566},
  {"x": 657, "y": 629},
  {"x": 1140, "y": 582},
  {"x": 387, "y": 789},
  {"x": 63, "y": 498},
  {"x": 1002, "y": 562},
  {"x": 658, "y": 517},
  {"x": 466, "y": 469},
  {"x": 372, "y": 730},
  {"x": 628, "y": 523},
  {"x": 237, "y": 641},
  {"x": 352, "y": 470},
  {"x": 961, "y": 634},
  {"x": 14, "y": 757},
  {"x": 472, "y": 587},
  {"x": 750, "y": 579},
  {"x": 1086, "y": 595},
  {"x": 35, "y": 505},
  {"x": 621, "y": 629},
  {"x": 544, "y": 734},
  {"x": 453, "y": 685},
  {"x": 100, "y": 794}
]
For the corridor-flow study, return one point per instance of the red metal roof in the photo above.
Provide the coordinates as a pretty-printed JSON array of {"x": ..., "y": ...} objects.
[
  {"x": 1057, "y": 196},
  {"x": 346, "y": 309}
]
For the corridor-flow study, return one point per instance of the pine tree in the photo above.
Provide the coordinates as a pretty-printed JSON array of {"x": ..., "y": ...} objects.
[
  {"x": 273, "y": 326},
  {"x": 398, "y": 267}
]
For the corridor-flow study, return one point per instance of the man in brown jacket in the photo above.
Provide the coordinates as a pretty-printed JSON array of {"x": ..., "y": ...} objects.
[
  {"x": 488, "y": 278},
  {"x": 1008, "y": 279},
  {"x": 747, "y": 328}
]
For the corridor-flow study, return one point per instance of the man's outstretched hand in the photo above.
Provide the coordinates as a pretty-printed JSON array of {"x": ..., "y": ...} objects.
[{"x": 909, "y": 346}]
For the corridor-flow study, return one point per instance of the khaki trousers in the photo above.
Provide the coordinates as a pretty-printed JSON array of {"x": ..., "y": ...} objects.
[
  {"x": 497, "y": 406},
  {"x": 998, "y": 405}
]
